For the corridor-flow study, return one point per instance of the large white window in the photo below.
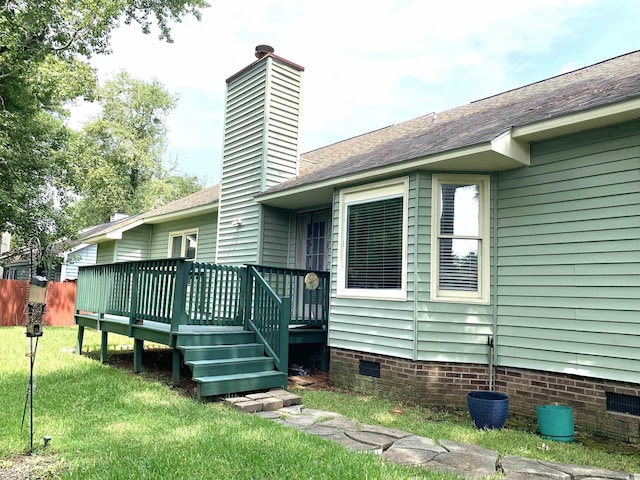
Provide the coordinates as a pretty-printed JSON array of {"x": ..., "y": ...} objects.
[
  {"x": 373, "y": 241},
  {"x": 460, "y": 239},
  {"x": 183, "y": 244}
]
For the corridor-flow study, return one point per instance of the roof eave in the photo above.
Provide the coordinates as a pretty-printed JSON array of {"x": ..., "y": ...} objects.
[
  {"x": 191, "y": 212},
  {"x": 589, "y": 119},
  {"x": 502, "y": 153}
]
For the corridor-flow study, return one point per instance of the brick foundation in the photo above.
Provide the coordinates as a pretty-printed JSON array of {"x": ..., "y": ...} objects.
[{"x": 438, "y": 383}]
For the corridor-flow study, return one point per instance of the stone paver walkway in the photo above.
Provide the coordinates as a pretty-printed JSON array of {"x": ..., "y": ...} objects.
[{"x": 470, "y": 461}]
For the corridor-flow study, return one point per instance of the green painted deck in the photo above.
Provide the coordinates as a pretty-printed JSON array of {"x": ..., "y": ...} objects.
[{"x": 227, "y": 324}]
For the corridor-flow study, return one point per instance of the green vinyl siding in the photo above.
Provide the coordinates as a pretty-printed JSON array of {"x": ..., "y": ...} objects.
[
  {"x": 106, "y": 252},
  {"x": 260, "y": 151},
  {"x": 569, "y": 256},
  {"x": 206, "y": 225},
  {"x": 277, "y": 230},
  {"x": 134, "y": 244},
  {"x": 416, "y": 328}
]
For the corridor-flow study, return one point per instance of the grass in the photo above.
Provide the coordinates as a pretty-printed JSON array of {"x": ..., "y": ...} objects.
[{"x": 108, "y": 423}]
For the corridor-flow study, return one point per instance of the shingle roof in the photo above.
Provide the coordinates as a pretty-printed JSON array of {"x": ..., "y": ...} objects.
[
  {"x": 481, "y": 121},
  {"x": 201, "y": 198}
]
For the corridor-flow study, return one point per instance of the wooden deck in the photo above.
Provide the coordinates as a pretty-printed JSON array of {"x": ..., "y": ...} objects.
[{"x": 226, "y": 323}]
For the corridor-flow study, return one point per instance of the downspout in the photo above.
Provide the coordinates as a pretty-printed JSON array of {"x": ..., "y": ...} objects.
[
  {"x": 494, "y": 277},
  {"x": 415, "y": 268}
]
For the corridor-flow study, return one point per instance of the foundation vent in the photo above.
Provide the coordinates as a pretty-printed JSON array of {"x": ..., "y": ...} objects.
[
  {"x": 619, "y": 403},
  {"x": 370, "y": 369}
]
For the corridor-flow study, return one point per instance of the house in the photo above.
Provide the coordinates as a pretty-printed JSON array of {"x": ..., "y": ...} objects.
[{"x": 493, "y": 245}]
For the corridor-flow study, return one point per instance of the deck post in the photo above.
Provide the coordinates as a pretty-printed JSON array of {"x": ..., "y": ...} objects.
[
  {"x": 175, "y": 367},
  {"x": 285, "y": 319},
  {"x": 80, "y": 339},
  {"x": 138, "y": 347},
  {"x": 178, "y": 309},
  {"x": 104, "y": 346}
]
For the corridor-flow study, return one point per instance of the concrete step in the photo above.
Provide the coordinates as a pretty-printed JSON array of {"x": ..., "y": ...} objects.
[
  {"x": 230, "y": 366},
  {"x": 218, "y": 352},
  {"x": 242, "y": 382}
]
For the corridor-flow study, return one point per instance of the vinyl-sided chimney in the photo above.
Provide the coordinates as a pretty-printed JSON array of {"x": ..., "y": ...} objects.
[{"x": 262, "y": 118}]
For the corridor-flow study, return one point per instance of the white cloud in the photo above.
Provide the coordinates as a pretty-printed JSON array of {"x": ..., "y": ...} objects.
[{"x": 367, "y": 64}]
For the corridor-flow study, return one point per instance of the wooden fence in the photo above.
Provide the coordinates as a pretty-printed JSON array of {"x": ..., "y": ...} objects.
[{"x": 61, "y": 299}]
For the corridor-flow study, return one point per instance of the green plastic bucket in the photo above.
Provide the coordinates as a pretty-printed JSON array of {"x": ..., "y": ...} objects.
[{"x": 555, "y": 422}]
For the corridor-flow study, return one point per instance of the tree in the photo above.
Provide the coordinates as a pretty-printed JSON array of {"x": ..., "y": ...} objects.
[
  {"x": 44, "y": 51},
  {"x": 119, "y": 154}
]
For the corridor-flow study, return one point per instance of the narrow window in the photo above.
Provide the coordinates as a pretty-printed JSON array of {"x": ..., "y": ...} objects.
[{"x": 460, "y": 239}]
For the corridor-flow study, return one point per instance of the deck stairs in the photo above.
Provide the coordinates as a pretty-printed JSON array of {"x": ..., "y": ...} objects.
[{"x": 228, "y": 362}]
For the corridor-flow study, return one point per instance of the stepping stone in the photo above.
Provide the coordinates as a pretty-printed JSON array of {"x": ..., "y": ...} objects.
[
  {"x": 270, "y": 415},
  {"x": 414, "y": 442},
  {"x": 271, "y": 403},
  {"x": 320, "y": 430},
  {"x": 231, "y": 401},
  {"x": 342, "y": 423},
  {"x": 456, "y": 447},
  {"x": 389, "y": 432},
  {"x": 469, "y": 465},
  {"x": 292, "y": 410},
  {"x": 376, "y": 439},
  {"x": 408, "y": 456},
  {"x": 351, "y": 444},
  {"x": 300, "y": 420},
  {"x": 583, "y": 472},
  {"x": 319, "y": 413},
  {"x": 258, "y": 396},
  {"x": 512, "y": 465},
  {"x": 287, "y": 398},
  {"x": 250, "y": 406}
]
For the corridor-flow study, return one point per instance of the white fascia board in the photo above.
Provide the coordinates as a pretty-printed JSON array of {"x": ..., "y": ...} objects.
[
  {"x": 114, "y": 234},
  {"x": 508, "y": 146},
  {"x": 191, "y": 212},
  {"x": 574, "y": 122}
]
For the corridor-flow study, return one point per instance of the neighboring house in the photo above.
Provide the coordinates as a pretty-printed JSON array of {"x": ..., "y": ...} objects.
[{"x": 513, "y": 221}]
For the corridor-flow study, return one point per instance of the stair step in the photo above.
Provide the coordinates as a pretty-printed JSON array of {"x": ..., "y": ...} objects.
[
  {"x": 230, "y": 366},
  {"x": 218, "y": 352},
  {"x": 238, "y": 383},
  {"x": 230, "y": 337}
]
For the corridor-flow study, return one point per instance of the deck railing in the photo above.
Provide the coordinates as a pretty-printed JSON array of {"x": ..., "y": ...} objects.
[
  {"x": 172, "y": 291},
  {"x": 269, "y": 316},
  {"x": 309, "y": 301}
]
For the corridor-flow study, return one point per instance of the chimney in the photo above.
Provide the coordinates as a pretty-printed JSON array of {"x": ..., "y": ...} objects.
[
  {"x": 118, "y": 215},
  {"x": 261, "y": 126}
]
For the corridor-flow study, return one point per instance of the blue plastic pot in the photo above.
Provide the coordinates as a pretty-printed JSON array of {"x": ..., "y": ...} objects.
[
  {"x": 488, "y": 409},
  {"x": 555, "y": 422}
]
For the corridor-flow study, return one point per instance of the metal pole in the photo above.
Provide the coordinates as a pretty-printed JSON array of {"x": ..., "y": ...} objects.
[{"x": 32, "y": 356}]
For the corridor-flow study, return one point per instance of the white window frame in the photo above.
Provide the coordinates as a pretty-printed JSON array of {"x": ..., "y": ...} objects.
[
  {"x": 484, "y": 260},
  {"x": 364, "y": 194},
  {"x": 183, "y": 234}
]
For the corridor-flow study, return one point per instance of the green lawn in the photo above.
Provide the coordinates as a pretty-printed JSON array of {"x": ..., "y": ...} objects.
[{"x": 108, "y": 423}]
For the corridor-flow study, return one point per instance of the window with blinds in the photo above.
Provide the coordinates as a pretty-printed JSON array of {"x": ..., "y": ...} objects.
[
  {"x": 374, "y": 244},
  {"x": 373, "y": 241},
  {"x": 459, "y": 238}
]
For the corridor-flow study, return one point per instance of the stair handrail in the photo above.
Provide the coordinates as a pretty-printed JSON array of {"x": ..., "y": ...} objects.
[{"x": 268, "y": 316}]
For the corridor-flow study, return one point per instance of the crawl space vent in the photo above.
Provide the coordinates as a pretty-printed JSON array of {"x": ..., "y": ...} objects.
[
  {"x": 617, "y": 402},
  {"x": 370, "y": 369}
]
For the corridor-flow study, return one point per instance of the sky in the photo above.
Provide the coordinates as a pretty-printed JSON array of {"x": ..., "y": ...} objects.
[{"x": 367, "y": 64}]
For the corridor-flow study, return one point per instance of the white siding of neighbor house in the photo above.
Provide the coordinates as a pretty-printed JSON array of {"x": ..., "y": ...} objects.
[
  {"x": 569, "y": 256},
  {"x": 83, "y": 256},
  {"x": 206, "y": 226},
  {"x": 260, "y": 150}
]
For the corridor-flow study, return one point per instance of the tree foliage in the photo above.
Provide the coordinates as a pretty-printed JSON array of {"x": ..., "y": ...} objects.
[
  {"x": 44, "y": 51},
  {"x": 119, "y": 154}
]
